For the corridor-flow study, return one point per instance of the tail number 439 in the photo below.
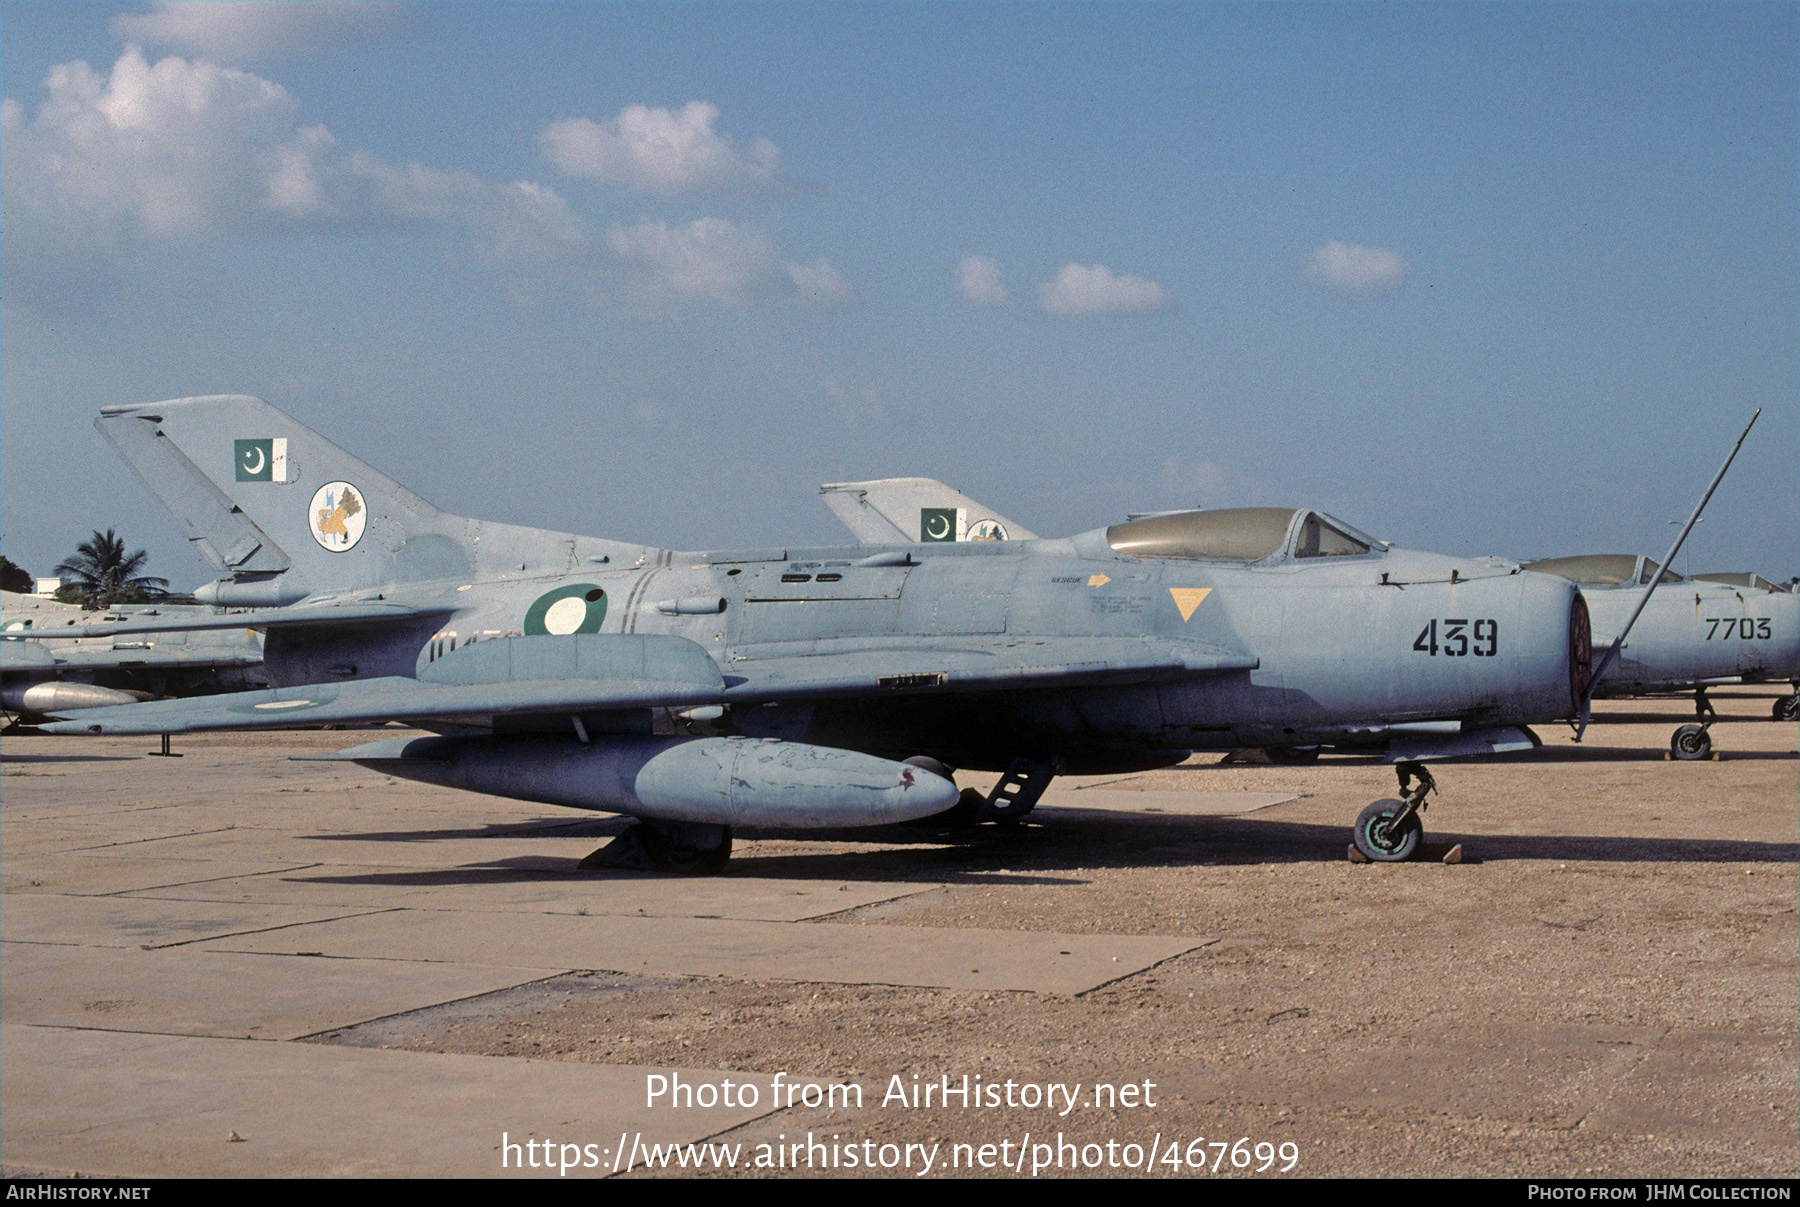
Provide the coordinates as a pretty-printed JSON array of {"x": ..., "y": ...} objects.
[{"x": 1454, "y": 638}]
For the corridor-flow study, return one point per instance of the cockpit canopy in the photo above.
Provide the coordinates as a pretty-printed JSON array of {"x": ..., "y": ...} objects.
[
  {"x": 1755, "y": 582},
  {"x": 1239, "y": 534},
  {"x": 1603, "y": 569}
]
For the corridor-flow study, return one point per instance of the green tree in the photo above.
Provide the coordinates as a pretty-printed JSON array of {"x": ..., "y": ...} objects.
[
  {"x": 101, "y": 574},
  {"x": 13, "y": 578}
]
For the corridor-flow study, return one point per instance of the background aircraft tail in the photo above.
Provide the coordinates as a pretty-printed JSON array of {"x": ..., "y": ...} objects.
[
  {"x": 283, "y": 513},
  {"x": 908, "y": 510}
]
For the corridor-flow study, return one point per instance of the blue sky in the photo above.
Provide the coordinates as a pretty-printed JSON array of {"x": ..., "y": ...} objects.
[{"x": 1483, "y": 278}]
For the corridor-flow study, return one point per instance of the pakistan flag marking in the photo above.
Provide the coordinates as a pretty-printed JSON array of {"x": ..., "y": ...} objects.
[
  {"x": 938, "y": 523},
  {"x": 261, "y": 460}
]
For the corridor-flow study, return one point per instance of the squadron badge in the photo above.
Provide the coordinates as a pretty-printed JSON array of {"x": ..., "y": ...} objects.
[{"x": 338, "y": 516}]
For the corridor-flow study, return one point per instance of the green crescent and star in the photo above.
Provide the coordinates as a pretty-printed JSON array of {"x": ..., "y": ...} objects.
[{"x": 263, "y": 460}]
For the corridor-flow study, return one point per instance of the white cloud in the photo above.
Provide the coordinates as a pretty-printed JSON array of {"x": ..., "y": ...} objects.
[
  {"x": 1357, "y": 271},
  {"x": 1095, "y": 290},
  {"x": 821, "y": 283},
  {"x": 188, "y": 149},
  {"x": 184, "y": 150},
  {"x": 714, "y": 260},
  {"x": 978, "y": 280},
  {"x": 252, "y": 29},
  {"x": 661, "y": 151}
]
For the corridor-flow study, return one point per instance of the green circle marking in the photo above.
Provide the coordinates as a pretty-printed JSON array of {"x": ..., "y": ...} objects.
[{"x": 589, "y": 594}]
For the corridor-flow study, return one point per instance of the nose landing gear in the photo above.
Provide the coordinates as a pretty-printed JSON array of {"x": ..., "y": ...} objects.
[
  {"x": 1388, "y": 831},
  {"x": 1692, "y": 741}
]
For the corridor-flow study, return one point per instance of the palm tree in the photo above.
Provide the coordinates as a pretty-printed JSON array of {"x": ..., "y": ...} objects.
[{"x": 101, "y": 573}]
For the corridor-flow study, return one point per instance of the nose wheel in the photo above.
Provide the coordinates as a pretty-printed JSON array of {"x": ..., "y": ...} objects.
[
  {"x": 1388, "y": 831},
  {"x": 1693, "y": 741}
]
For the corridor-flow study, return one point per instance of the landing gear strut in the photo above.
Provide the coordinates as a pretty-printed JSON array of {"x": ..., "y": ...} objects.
[
  {"x": 1692, "y": 741},
  {"x": 1788, "y": 707},
  {"x": 1388, "y": 831},
  {"x": 690, "y": 848}
]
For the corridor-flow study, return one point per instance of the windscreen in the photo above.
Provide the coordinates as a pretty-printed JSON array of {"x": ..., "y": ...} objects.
[{"x": 1320, "y": 538}]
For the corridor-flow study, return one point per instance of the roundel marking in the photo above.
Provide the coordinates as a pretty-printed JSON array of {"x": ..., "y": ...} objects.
[
  {"x": 576, "y": 608},
  {"x": 279, "y": 705},
  {"x": 337, "y": 516}
]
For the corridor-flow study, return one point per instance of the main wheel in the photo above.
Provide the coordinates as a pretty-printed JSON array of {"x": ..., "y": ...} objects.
[
  {"x": 1690, "y": 742},
  {"x": 1292, "y": 756},
  {"x": 1787, "y": 708},
  {"x": 1377, "y": 837},
  {"x": 690, "y": 849}
]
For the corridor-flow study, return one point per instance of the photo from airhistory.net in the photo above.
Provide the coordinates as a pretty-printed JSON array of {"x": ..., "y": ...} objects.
[{"x": 916, "y": 590}]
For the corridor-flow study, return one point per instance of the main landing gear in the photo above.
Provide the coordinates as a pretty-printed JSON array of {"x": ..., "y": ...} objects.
[
  {"x": 684, "y": 847},
  {"x": 1389, "y": 831},
  {"x": 1692, "y": 741},
  {"x": 1012, "y": 797},
  {"x": 1788, "y": 707}
]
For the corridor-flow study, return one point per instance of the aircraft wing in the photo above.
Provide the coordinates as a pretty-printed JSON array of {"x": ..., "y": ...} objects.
[
  {"x": 973, "y": 667},
  {"x": 259, "y": 618},
  {"x": 909, "y": 510},
  {"x": 581, "y": 673}
]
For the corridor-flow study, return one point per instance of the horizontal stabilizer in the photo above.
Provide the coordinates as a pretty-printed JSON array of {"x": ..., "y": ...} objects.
[
  {"x": 577, "y": 673},
  {"x": 389, "y": 699},
  {"x": 16, "y": 655},
  {"x": 152, "y": 657}
]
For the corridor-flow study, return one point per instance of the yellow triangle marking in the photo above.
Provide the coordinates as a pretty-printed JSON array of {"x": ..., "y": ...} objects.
[
  {"x": 1098, "y": 580},
  {"x": 1188, "y": 598}
]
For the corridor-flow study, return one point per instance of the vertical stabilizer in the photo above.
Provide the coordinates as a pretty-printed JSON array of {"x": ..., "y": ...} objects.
[
  {"x": 286, "y": 513},
  {"x": 908, "y": 510}
]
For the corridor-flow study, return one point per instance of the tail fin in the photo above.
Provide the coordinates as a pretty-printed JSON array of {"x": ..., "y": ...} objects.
[
  {"x": 286, "y": 513},
  {"x": 907, "y": 510}
]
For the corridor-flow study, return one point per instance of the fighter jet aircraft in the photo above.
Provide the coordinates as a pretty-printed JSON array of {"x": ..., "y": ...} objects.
[
  {"x": 822, "y": 687},
  {"x": 44, "y": 670},
  {"x": 1695, "y": 633}
]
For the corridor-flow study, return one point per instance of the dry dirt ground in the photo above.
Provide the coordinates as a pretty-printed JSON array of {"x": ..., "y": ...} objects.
[{"x": 1605, "y": 986}]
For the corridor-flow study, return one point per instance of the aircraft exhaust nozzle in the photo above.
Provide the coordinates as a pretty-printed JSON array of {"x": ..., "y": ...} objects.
[
  {"x": 61, "y": 697},
  {"x": 718, "y": 781}
]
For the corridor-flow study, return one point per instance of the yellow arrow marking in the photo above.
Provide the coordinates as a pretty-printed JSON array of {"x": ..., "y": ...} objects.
[
  {"x": 1098, "y": 580},
  {"x": 1188, "y": 598}
]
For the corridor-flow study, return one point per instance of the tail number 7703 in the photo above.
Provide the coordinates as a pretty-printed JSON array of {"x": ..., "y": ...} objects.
[
  {"x": 1745, "y": 627},
  {"x": 1454, "y": 638}
]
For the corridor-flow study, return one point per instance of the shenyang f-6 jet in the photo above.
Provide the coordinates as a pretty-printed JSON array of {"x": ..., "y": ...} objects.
[
  {"x": 43, "y": 671},
  {"x": 818, "y": 687},
  {"x": 1694, "y": 633}
]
